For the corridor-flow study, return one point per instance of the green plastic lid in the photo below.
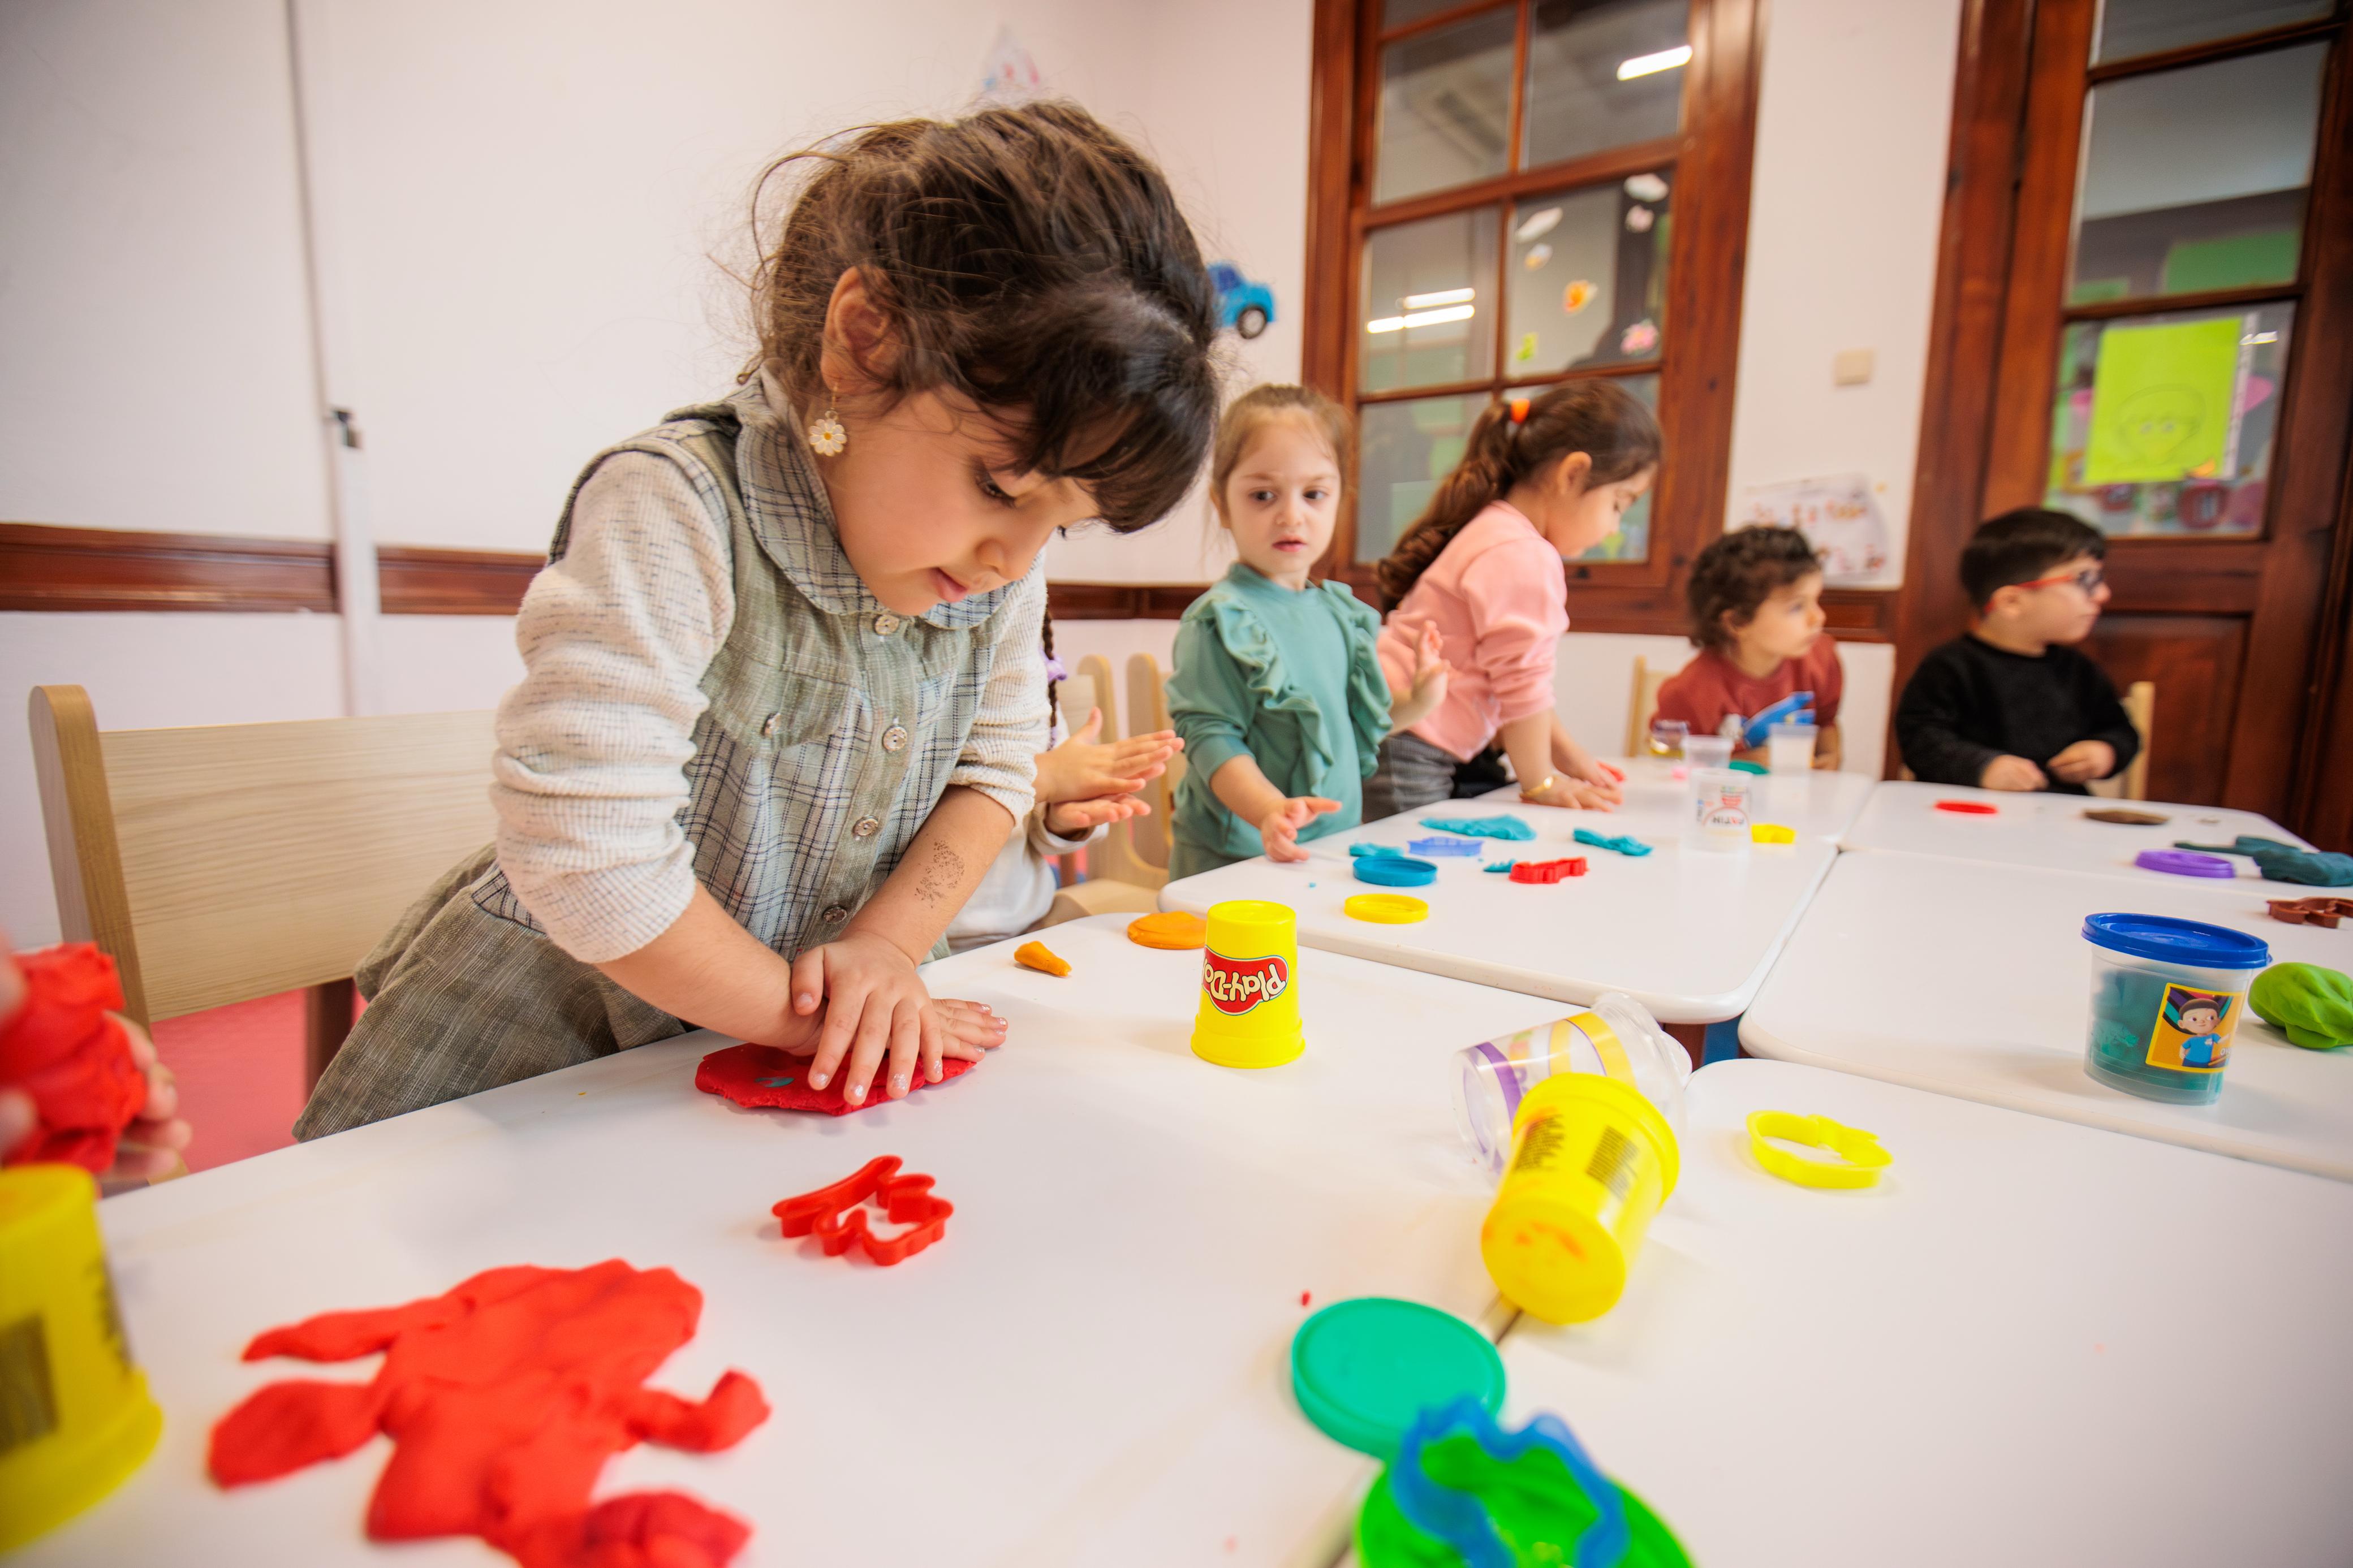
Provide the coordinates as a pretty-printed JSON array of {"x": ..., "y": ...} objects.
[{"x": 1363, "y": 1369}]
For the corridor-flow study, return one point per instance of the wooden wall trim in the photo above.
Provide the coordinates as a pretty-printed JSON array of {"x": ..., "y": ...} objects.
[
  {"x": 46, "y": 567},
  {"x": 415, "y": 581}
]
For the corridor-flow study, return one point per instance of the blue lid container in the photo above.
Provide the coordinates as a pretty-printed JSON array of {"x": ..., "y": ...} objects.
[{"x": 2192, "y": 944}]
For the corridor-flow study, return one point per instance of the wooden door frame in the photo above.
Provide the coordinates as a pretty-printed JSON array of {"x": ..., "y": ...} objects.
[
  {"x": 1993, "y": 344},
  {"x": 1714, "y": 155}
]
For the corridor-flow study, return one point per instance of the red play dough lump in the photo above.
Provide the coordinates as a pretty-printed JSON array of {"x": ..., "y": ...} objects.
[
  {"x": 503, "y": 1399},
  {"x": 75, "y": 1061},
  {"x": 764, "y": 1075}
]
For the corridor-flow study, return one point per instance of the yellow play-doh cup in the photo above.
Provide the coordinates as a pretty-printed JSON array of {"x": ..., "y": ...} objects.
[
  {"x": 1247, "y": 1015},
  {"x": 75, "y": 1416},
  {"x": 1591, "y": 1162}
]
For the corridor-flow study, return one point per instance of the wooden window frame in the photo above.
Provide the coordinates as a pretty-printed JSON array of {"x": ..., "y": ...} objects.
[
  {"x": 1994, "y": 339},
  {"x": 1712, "y": 155}
]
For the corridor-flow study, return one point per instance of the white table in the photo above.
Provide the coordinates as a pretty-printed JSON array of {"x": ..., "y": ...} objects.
[
  {"x": 1088, "y": 1368},
  {"x": 1973, "y": 979},
  {"x": 2051, "y": 832},
  {"x": 1688, "y": 934},
  {"x": 2031, "y": 1344},
  {"x": 1822, "y": 803}
]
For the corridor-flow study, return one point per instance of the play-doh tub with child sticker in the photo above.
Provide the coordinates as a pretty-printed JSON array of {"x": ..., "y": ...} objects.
[{"x": 2166, "y": 994}]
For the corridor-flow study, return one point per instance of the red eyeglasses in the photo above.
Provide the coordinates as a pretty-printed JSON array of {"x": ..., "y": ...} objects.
[{"x": 2089, "y": 578}]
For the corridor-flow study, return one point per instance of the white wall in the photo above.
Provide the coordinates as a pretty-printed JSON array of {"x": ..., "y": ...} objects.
[
  {"x": 1853, "y": 123},
  {"x": 155, "y": 372}
]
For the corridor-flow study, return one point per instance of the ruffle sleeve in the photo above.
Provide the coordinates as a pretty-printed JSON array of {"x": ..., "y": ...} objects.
[
  {"x": 1369, "y": 683},
  {"x": 1259, "y": 659}
]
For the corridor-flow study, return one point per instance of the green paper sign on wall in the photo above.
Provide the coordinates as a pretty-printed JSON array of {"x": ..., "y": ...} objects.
[{"x": 2161, "y": 402}]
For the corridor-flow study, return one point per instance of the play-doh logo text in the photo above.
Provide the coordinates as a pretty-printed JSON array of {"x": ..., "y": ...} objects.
[{"x": 1238, "y": 984}]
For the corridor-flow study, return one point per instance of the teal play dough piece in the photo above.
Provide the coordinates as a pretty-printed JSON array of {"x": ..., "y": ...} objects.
[
  {"x": 2311, "y": 1005},
  {"x": 1626, "y": 844},
  {"x": 1395, "y": 871},
  {"x": 1740, "y": 766},
  {"x": 2284, "y": 862},
  {"x": 1363, "y": 1368},
  {"x": 1483, "y": 826},
  {"x": 1359, "y": 851},
  {"x": 1499, "y": 866}
]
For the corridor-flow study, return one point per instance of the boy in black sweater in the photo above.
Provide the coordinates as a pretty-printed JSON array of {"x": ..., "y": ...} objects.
[{"x": 2008, "y": 706}]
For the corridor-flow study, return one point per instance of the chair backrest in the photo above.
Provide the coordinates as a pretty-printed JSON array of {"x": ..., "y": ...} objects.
[
  {"x": 2140, "y": 707},
  {"x": 1642, "y": 704},
  {"x": 1114, "y": 854},
  {"x": 1147, "y": 707},
  {"x": 219, "y": 863},
  {"x": 1074, "y": 696}
]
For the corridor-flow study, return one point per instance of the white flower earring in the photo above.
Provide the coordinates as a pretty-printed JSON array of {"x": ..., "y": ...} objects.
[{"x": 826, "y": 436}]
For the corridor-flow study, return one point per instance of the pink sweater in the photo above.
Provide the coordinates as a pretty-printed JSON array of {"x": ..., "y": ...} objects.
[{"x": 1499, "y": 598}]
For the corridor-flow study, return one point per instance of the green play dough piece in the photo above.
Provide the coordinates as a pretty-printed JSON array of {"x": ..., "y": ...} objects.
[
  {"x": 2311, "y": 1005},
  {"x": 1363, "y": 1369},
  {"x": 1533, "y": 1502}
]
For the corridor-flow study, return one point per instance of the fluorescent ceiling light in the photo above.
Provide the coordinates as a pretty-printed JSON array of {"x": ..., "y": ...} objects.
[
  {"x": 1422, "y": 318},
  {"x": 1646, "y": 65},
  {"x": 1443, "y": 296},
  {"x": 2252, "y": 339}
]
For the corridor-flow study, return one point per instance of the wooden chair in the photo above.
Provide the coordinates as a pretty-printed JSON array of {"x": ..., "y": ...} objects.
[
  {"x": 1147, "y": 707},
  {"x": 2140, "y": 707},
  {"x": 1642, "y": 704},
  {"x": 219, "y": 863},
  {"x": 1114, "y": 857}
]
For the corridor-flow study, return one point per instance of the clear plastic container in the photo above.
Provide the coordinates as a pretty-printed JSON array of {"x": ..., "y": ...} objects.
[
  {"x": 1722, "y": 810},
  {"x": 1615, "y": 1038},
  {"x": 1707, "y": 751},
  {"x": 1667, "y": 736},
  {"x": 1790, "y": 747},
  {"x": 2166, "y": 994}
]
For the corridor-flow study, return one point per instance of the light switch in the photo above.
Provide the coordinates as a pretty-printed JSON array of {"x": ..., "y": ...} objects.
[{"x": 1850, "y": 368}]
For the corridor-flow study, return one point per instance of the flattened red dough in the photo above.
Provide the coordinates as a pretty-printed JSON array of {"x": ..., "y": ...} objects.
[
  {"x": 503, "y": 1399},
  {"x": 74, "y": 1060},
  {"x": 764, "y": 1075}
]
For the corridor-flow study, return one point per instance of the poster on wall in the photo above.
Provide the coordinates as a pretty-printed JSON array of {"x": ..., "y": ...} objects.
[
  {"x": 1010, "y": 74},
  {"x": 1838, "y": 513}
]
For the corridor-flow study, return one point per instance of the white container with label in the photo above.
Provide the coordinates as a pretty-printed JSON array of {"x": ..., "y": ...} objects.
[{"x": 1721, "y": 814}]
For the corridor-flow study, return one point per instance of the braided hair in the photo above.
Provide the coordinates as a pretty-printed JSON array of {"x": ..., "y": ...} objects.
[{"x": 1512, "y": 441}]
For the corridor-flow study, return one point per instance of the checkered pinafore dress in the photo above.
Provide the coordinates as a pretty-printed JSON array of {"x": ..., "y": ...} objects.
[{"x": 832, "y": 728}]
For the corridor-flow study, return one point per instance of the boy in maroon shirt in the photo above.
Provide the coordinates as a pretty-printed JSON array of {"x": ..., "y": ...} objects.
[{"x": 1756, "y": 599}]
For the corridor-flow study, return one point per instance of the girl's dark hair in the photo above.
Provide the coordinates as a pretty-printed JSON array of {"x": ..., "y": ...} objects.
[
  {"x": 1596, "y": 416},
  {"x": 1053, "y": 698},
  {"x": 1735, "y": 576},
  {"x": 1030, "y": 261}
]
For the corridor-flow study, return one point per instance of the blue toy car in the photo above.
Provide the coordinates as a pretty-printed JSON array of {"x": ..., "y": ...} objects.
[{"x": 1244, "y": 306}]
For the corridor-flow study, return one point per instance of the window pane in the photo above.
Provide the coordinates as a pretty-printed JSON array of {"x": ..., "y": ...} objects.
[
  {"x": 1397, "y": 13},
  {"x": 1632, "y": 540},
  {"x": 1406, "y": 449},
  {"x": 2129, "y": 27},
  {"x": 1587, "y": 278},
  {"x": 1429, "y": 303},
  {"x": 2195, "y": 178},
  {"x": 2164, "y": 423},
  {"x": 1446, "y": 108},
  {"x": 1603, "y": 73}
]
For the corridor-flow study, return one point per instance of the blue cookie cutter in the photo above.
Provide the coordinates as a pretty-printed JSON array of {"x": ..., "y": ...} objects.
[
  {"x": 1443, "y": 845},
  {"x": 1481, "y": 826},
  {"x": 1395, "y": 871},
  {"x": 1626, "y": 845},
  {"x": 1459, "y": 1519}
]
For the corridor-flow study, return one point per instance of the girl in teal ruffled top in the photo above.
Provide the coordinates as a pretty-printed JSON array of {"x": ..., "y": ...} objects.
[{"x": 1278, "y": 692}]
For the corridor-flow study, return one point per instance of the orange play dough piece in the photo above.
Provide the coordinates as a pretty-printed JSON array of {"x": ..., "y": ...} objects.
[
  {"x": 1034, "y": 955},
  {"x": 1175, "y": 929}
]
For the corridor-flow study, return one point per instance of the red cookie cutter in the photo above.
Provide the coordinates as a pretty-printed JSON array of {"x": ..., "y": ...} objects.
[
  {"x": 2322, "y": 911},
  {"x": 837, "y": 1217},
  {"x": 1548, "y": 870},
  {"x": 1968, "y": 807}
]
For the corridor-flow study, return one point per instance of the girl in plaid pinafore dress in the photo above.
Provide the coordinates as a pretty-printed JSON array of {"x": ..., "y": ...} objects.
[{"x": 783, "y": 692}]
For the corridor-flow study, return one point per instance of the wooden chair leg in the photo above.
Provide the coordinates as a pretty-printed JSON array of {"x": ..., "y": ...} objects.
[
  {"x": 1693, "y": 1037},
  {"x": 327, "y": 1019}
]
